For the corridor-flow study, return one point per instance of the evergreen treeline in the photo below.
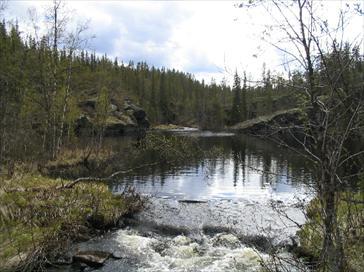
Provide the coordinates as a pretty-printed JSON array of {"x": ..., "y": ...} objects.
[{"x": 41, "y": 86}]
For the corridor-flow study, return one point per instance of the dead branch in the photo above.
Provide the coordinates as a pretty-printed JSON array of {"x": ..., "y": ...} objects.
[
  {"x": 71, "y": 184},
  {"x": 112, "y": 176}
]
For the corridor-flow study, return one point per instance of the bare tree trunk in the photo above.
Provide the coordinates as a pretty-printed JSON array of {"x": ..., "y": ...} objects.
[
  {"x": 65, "y": 104},
  {"x": 56, "y": 7}
]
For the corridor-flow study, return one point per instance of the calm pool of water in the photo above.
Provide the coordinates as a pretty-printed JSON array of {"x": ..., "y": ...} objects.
[
  {"x": 247, "y": 168},
  {"x": 234, "y": 225}
]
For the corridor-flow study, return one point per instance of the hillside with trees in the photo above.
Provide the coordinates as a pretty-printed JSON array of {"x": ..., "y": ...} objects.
[
  {"x": 43, "y": 88},
  {"x": 60, "y": 102}
]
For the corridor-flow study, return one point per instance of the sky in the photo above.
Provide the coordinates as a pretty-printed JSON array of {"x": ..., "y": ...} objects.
[{"x": 210, "y": 39}]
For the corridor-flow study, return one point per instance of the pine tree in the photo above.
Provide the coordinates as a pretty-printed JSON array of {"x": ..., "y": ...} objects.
[
  {"x": 236, "y": 107},
  {"x": 243, "y": 104},
  {"x": 163, "y": 100}
]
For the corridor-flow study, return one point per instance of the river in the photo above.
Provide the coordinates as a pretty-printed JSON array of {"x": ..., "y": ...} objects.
[{"x": 222, "y": 213}]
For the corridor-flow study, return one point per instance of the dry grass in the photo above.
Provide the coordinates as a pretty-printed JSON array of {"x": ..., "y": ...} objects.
[
  {"x": 37, "y": 226},
  {"x": 350, "y": 216},
  {"x": 167, "y": 127}
]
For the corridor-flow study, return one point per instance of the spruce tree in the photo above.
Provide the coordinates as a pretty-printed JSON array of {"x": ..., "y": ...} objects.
[
  {"x": 236, "y": 107},
  {"x": 243, "y": 104}
]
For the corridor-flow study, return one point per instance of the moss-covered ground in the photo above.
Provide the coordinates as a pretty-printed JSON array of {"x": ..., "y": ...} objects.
[{"x": 39, "y": 219}]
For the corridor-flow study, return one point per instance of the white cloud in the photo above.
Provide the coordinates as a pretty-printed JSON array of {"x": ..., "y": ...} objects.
[{"x": 208, "y": 39}]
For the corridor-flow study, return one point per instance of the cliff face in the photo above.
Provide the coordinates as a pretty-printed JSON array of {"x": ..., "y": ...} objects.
[{"x": 123, "y": 118}]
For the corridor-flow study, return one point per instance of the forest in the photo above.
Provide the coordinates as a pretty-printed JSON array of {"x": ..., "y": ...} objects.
[
  {"x": 43, "y": 86},
  {"x": 57, "y": 177}
]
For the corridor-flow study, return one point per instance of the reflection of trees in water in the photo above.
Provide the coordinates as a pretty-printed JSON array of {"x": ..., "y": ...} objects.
[
  {"x": 153, "y": 180},
  {"x": 273, "y": 164},
  {"x": 248, "y": 156},
  {"x": 222, "y": 165},
  {"x": 162, "y": 178},
  {"x": 211, "y": 168},
  {"x": 266, "y": 166},
  {"x": 238, "y": 154},
  {"x": 242, "y": 158},
  {"x": 236, "y": 160}
]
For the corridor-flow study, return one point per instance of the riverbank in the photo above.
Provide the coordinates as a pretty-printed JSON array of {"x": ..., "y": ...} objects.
[
  {"x": 125, "y": 154},
  {"x": 350, "y": 218},
  {"x": 41, "y": 218},
  {"x": 203, "y": 188},
  {"x": 45, "y": 211}
]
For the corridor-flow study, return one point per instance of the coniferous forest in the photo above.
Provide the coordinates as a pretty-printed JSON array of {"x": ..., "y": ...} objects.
[
  {"x": 185, "y": 169},
  {"x": 43, "y": 86}
]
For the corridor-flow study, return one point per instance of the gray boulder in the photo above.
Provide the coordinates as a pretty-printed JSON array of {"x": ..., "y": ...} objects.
[
  {"x": 92, "y": 258},
  {"x": 130, "y": 119},
  {"x": 138, "y": 113}
]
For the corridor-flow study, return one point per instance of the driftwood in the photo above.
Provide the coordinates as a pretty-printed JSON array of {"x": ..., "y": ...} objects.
[{"x": 111, "y": 177}]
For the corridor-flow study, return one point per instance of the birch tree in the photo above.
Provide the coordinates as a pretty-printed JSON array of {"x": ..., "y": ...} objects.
[{"x": 333, "y": 108}]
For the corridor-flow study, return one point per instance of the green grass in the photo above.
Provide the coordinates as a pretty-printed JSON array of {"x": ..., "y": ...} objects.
[
  {"x": 350, "y": 217},
  {"x": 38, "y": 225}
]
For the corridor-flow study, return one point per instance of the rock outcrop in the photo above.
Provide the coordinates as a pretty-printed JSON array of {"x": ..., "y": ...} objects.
[
  {"x": 122, "y": 120},
  {"x": 282, "y": 126},
  {"x": 272, "y": 123}
]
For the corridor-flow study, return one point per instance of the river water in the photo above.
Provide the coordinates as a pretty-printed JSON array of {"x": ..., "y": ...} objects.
[{"x": 221, "y": 213}]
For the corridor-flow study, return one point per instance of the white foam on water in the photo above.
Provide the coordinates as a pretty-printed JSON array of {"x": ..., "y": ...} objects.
[{"x": 181, "y": 253}]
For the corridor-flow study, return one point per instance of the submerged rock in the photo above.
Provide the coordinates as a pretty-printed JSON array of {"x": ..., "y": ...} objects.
[
  {"x": 191, "y": 201},
  {"x": 182, "y": 251},
  {"x": 212, "y": 230},
  {"x": 226, "y": 240},
  {"x": 92, "y": 258},
  {"x": 261, "y": 242}
]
